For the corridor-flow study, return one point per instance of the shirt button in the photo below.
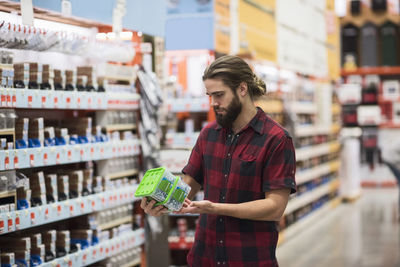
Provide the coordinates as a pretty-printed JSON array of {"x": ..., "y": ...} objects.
[
  {"x": 223, "y": 263},
  {"x": 226, "y": 175},
  {"x": 218, "y": 263},
  {"x": 223, "y": 198},
  {"x": 220, "y": 241},
  {"x": 220, "y": 219},
  {"x": 229, "y": 154}
]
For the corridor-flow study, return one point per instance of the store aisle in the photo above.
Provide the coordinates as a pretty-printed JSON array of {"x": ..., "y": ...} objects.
[{"x": 363, "y": 233}]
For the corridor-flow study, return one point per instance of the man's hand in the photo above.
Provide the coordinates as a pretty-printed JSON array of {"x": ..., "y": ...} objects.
[
  {"x": 149, "y": 208},
  {"x": 197, "y": 207}
]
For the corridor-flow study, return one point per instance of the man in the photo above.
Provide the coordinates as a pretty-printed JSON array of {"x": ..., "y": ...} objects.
[{"x": 245, "y": 162}]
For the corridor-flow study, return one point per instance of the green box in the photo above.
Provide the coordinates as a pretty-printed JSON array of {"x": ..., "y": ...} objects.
[{"x": 162, "y": 186}]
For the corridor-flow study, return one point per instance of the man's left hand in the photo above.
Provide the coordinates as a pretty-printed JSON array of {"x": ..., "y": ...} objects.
[{"x": 198, "y": 207}]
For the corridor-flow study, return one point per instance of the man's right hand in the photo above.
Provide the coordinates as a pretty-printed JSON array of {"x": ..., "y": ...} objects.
[{"x": 149, "y": 208}]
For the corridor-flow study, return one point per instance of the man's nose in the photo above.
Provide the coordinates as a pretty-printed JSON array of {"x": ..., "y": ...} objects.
[{"x": 214, "y": 103}]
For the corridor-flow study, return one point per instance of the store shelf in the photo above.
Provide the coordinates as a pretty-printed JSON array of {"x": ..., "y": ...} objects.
[
  {"x": 317, "y": 150},
  {"x": 389, "y": 125},
  {"x": 55, "y": 155},
  {"x": 122, "y": 174},
  {"x": 311, "y": 196},
  {"x": 313, "y": 173},
  {"x": 308, "y": 221},
  {"x": 50, "y": 99},
  {"x": 40, "y": 13},
  {"x": 7, "y": 194},
  {"x": 121, "y": 127},
  {"x": 132, "y": 263},
  {"x": 7, "y": 131},
  {"x": 62, "y": 210},
  {"x": 121, "y": 78},
  {"x": 100, "y": 251},
  {"x": 311, "y": 130},
  {"x": 373, "y": 70},
  {"x": 181, "y": 140},
  {"x": 183, "y": 243},
  {"x": 122, "y": 101},
  {"x": 303, "y": 107},
  {"x": 115, "y": 223},
  {"x": 188, "y": 104}
]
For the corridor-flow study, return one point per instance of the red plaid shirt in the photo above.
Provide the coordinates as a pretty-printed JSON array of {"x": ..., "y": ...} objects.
[{"x": 236, "y": 169}]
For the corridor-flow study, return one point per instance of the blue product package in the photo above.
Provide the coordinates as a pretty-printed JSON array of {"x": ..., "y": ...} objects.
[
  {"x": 73, "y": 140},
  {"x": 22, "y": 204},
  {"x": 60, "y": 141},
  {"x": 83, "y": 242},
  {"x": 20, "y": 144},
  {"x": 34, "y": 142},
  {"x": 83, "y": 140},
  {"x": 49, "y": 142},
  {"x": 36, "y": 260}
]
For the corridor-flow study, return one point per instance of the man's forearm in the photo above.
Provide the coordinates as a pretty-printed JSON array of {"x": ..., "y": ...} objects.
[
  {"x": 195, "y": 187},
  {"x": 261, "y": 210}
]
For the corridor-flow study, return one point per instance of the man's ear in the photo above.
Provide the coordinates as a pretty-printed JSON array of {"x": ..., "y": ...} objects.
[{"x": 242, "y": 89}]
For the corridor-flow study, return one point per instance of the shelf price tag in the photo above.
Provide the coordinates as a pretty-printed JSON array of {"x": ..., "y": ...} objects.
[
  {"x": 59, "y": 210},
  {"x": 46, "y": 213},
  {"x": 84, "y": 258},
  {"x": 55, "y": 100},
  {"x": 58, "y": 158},
  {"x": 1, "y": 226},
  {"x": 43, "y": 101},
  {"x": 68, "y": 101},
  {"x": 69, "y": 155},
  {"x": 82, "y": 206},
  {"x": 10, "y": 224},
  {"x": 45, "y": 158},
  {"x": 71, "y": 209},
  {"x": 14, "y": 101},
  {"x": 9, "y": 103},
  {"x": 16, "y": 162},
  {"x": 6, "y": 163},
  {"x": 33, "y": 218},
  {"x": 32, "y": 159},
  {"x": 17, "y": 221},
  {"x": 94, "y": 254},
  {"x": 3, "y": 100},
  {"x": 89, "y": 102},
  {"x": 30, "y": 100}
]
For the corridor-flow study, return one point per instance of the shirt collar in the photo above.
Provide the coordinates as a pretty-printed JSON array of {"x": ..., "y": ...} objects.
[{"x": 256, "y": 123}]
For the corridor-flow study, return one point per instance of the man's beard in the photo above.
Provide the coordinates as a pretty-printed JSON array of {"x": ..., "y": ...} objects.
[{"x": 232, "y": 112}]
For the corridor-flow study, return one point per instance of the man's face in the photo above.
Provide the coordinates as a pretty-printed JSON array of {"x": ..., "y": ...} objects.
[{"x": 225, "y": 103}]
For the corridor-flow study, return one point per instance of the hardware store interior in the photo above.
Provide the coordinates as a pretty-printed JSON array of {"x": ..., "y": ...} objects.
[{"x": 104, "y": 111}]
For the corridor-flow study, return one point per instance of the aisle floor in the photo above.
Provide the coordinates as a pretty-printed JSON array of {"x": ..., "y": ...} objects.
[{"x": 363, "y": 233}]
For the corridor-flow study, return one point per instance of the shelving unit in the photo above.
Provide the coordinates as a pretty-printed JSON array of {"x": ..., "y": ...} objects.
[
  {"x": 78, "y": 164},
  {"x": 317, "y": 158},
  {"x": 101, "y": 251},
  {"x": 121, "y": 174},
  {"x": 62, "y": 210}
]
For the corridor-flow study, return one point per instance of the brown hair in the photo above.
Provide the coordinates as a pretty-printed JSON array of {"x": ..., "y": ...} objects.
[{"x": 233, "y": 70}]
